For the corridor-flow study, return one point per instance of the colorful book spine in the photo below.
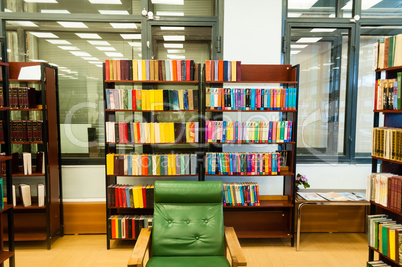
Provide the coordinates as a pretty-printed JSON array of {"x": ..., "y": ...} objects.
[
  {"x": 241, "y": 194},
  {"x": 222, "y": 70},
  {"x": 127, "y": 226}
]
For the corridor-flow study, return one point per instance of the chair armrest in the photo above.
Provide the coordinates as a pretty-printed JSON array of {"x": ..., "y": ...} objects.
[
  {"x": 141, "y": 246},
  {"x": 236, "y": 253}
]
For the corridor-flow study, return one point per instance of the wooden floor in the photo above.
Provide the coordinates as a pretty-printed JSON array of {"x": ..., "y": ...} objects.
[{"x": 317, "y": 249}]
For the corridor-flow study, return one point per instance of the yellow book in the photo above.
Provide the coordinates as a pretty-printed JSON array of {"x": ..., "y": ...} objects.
[
  {"x": 278, "y": 98},
  {"x": 233, "y": 70},
  {"x": 278, "y": 131},
  {"x": 391, "y": 243},
  {"x": 140, "y": 197},
  {"x": 144, "y": 70},
  {"x": 181, "y": 96},
  {"x": 158, "y": 165},
  {"x": 134, "y": 164},
  {"x": 158, "y": 99},
  {"x": 147, "y": 133},
  {"x": 170, "y": 132},
  {"x": 116, "y": 229},
  {"x": 188, "y": 138},
  {"x": 144, "y": 97},
  {"x": 229, "y": 131},
  {"x": 170, "y": 169},
  {"x": 135, "y": 197},
  {"x": 135, "y": 70},
  {"x": 152, "y": 99},
  {"x": 266, "y": 163},
  {"x": 162, "y": 132},
  {"x": 148, "y": 99},
  {"x": 152, "y": 132},
  {"x": 110, "y": 164}
]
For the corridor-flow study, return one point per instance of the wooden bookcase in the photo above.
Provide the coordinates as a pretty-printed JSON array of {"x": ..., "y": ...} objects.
[
  {"x": 147, "y": 148},
  {"x": 34, "y": 223},
  {"x": 8, "y": 210},
  {"x": 392, "y": 118},
  {"x": 274, "y": 218}
]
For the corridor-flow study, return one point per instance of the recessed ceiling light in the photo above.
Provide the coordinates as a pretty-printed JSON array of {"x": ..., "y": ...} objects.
[
  {"x": 294, "y": 52},
  {"x": 113, "y": 12},
  {"x": 106, "y": 48},
  {"x": 110, "y": 2},
  {"x": 173, "y": 38},
  {"x": 113, "y": 54},
  {"x": 88, "y": 35},
  {"x": 80, "y": 54},
  {"x": 41, "y": 1},
  {"x": 176, "y": 57},
  {"x": 124, "y": 25},
  {"x": 135, "y": 44},
  {"x": 308, "y": 39},
  {"x": 131, "y": 36},
  {"x": 67, "y": 24},
  {"x": 165, "y": 13},
  {"x": 24, "y": 23},
  {"x": 55, "y": 11},
  {"x": 168, "y": 2},
  {"x": 298, "y": 46},
  {"x": 68, "y": 47},
  {"x": 58, "y": 41},
  {"x": 95, "y": 62},
  {"x": 90, "y": 58},
  {"x": 98, "y": 42},
  {"x": 176, "y": 51},
  {"x": 164, "y": 28},
  {"x": 44, "y": 34},
  {"x": 322, "y": 30},
  {"x": 173, "y": 45},
  {"x": 301, "y": 4}
]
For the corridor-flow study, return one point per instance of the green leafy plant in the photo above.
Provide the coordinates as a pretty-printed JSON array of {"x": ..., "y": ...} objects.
[{"x": 302, "y": 180}]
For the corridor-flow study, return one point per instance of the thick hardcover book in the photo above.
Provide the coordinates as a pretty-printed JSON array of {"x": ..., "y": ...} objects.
[{"x": 197, "y": 67}]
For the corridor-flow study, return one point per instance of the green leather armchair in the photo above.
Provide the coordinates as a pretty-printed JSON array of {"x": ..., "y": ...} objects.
[{"x": 187, "y": 228}]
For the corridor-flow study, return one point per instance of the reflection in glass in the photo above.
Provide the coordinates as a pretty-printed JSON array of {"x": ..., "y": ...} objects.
[
  {"x": 162, "y": 8},
  {"x": 318, "y": 8},
  {"x": 381, "y": 9}
]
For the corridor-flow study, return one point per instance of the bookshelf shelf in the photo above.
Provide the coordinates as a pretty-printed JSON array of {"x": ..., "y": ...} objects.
[
  {"x": 388, "y": 111},
  {"x": 5, "y": 255},
  {"x": 121, "y": 110},
  {"x": 24, "y": 81},
  {"x": 26, "y": 109},
  {"x": 388, "y": 160},
  {"x": 240, "y": 111},
  {"x": 389, "y": 69},
  {"x": 265, "y": 204},
  {"x": 152, "y": 82},
  {"x": 386, "y": 257},
  {"x": 31, "y": 236},
  {"x": 4, "y": 108},
  {"x": 28, "y": 175},
  {"x": 262, "y": 234},
  {"x": 4, "y": 158},
  {"x": 27, "y": 143},
  {"x": 386, "y": 208}
]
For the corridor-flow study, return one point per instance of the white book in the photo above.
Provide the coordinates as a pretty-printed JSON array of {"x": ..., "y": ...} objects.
[
  {"x": 14, "y": 197},
  {"x": 143, "y": 138},
  {"x": 27, "y": 162},
  {"x": 25, "y": 192},
  {"x": 171, "y": 69},
  {"x": 140, "y": 78},
  {"x": 41, "y": 195},
  {"x": 154, "y": 167},
  {"x": 157, "y": 133}
]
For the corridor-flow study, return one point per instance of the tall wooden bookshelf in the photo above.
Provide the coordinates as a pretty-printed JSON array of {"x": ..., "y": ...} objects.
[
  {"x": 40, "y": 223},
  {"x": 392, "y": 118},
  {"x": 112, "y": 115},
  {"x": 275, "y": 216}
]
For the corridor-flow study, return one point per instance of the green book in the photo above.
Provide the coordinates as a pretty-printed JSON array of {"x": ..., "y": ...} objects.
[
  {"x": 125, "y": 99},
  {"x": 119, "y": 227},
  {"x": 158, "y": 165},
  {"x": 182, "y": 165},
  {"x": 399, "y": 88},
  {"x": 385, "y": 238},
  {"x": 149, "y": 164},
  {"x": 390, "y": 51},
  {"x": 282, "y": 131},
  {"x": 130, "y": 99},
  {"x": 162, "y": 164}
]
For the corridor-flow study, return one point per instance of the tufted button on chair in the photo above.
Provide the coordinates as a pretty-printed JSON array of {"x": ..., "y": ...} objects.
[{"x": 188, "y": 228}]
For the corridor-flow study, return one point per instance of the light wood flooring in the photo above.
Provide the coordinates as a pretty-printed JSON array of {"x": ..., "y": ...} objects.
[{"x": 317, "y": 249}]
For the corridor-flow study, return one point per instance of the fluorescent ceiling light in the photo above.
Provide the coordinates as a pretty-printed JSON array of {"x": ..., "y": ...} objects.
[
  {"x": 7, "y": 10},
  {"x": 24, "y": 23},
  {"x": 294, "y": 14},
  {"x": 37, "y": 60},
  {"x": 176, "y": 51},
  {"x": 135, "y": 44},
  {"x": 44, "y": 34},
  {"x": 80, "y": 54},
  {"x": 73, "y": 72},
  {"x": 88, "y": 35},
  {"x": 67, "y": 24},
  {"x": 68, "y": 47},
  {"x": 173, "y": 38},
  {"x": 322, "y": 30},
  {"x": 164, "y": 28},
  {"x": 294, "y": 52},
  {"x": 176, "y": 57},
  {"x": 41, "y": 1},
  {"x": 114, "y": 54},
  {"x": 55, "y": 11},
  {"x": 58, "y": 41},
  {"x": 168, "y": 2},
  {"x": 52, "y": 64},
  {"x": 164, "y": 13},
  {"x": 99, "y": 66},
  {"x": 90, "y": 58},
  {"x": 308, "y": 39},
  {"x": 98, "y": 42},
  {"x": 131, "y": 36},
  {"x": 113, "y": 12},
  {"x": 173, "y": 45},
  {"x": 298, "y": 46},
  {"x": 140, "y": 55},
  {"x": 106, "y": 48},
  {"x": 95, "y": 62},
  {"x": 301, "y": 4},
  {"x": 110, "y": 2},
  {"x": 124, "y": 25}
]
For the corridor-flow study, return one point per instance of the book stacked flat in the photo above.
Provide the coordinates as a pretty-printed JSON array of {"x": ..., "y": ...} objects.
[
  {"x": 127, "y": 226},
  {"x": 241, "y": 194},
  {"x": 248, "y": 132},
  {"x": 151, "y": 70},
  {"x": 385, "y": 235},
  {"x": 243, "y": 163},
  {"x": 388, "y": 94},
  {"x": 151, "y": 133},
  {"x": 23, "y": 97},
  {"x": 130, "y": 196},
  {"x": 222, "y": 71},
  {"x": 388, "y": 52},
  {"x": 251, "y": 99},
  {"x": 387, "y": 143},
  {"x": 151, "y": 164},
  {"x": 122, "y": 99},
  {"x": 26, "y": 131}
]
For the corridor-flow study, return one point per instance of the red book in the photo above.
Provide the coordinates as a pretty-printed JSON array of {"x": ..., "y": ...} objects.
[
  {"x": 138, "y": 136},
  {"x": 125, "y": 133},
  {"x": 107, "y": 70},
  {"x": 121, "y": 130},
  {"x": 134, "y": 93},
  {"x": 133, "y": 227},
  {"x": 279, "y": 163},
  {"x": 283, "y": 98},
  {"x": 116, "y": 196},
  {"x": 174, "y": 70},
  {"x": 123, "y": 196},
  {"x": 220, "y": 70},
  {"x": 179, "y": 70},
  {"x": 208, "y": 70},
  {"x": 253, "y": 164},
  {"x": 144, "y": 199},
  {"x": 238, "y": 71},
  {"x": 258, "y": 100},
  {"x": 113, "y": 222},
  {"x": 144, "y": 164},
  {"x": 269, "y": 164},
  {"x": 188, "y": 70}
]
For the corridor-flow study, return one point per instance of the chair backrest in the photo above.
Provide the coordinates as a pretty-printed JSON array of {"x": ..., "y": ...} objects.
[{"x": 188, "y": 219}]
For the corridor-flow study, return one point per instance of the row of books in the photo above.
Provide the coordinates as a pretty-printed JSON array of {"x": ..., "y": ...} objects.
[
  {"x": 378, "y": 263},
  {"x": 27, "y": 165},
  {"x": 248, "y": 132},
  {"x": 26, "y": 131},
  {"x": 23, "y": 97},
  {"x": 387, "y": 143},
  {"x": 122, "y": 99},
  {"x": 385, "y": 189},
  {"x": 387, "y": 52},
  {"x": 251, "y": 99},
  {"x": 241, "y": 194},
  {"x": 151, "y": 133},
  {"x": 152, "y": 70},
  {"x": 385, "y": 235},
  {"x": 388, "y": 94},
  {"x": 130, "y": 196},
  {"x": 127, "y": 226},
  {"x": 243, "y": 163},
  {"x": 222, "y": 70},
  {"x": 25, "y": 195},
  {"x": 151, "y": 164}
]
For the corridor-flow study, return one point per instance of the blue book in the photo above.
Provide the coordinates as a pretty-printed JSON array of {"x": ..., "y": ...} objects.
[
  {"x": 262, "y": 99},
  {"x": 287, "y": 99},
  {"x": 127, "y": 191},
  {"x": 225, "y": 70},
  {"x": 212, "y": 98},
  {"x": 274, "y": 163},
  {"x": 229, "y": 195},
  {"x": 218, "y": 162},
  {"x": 185, "y": 99},
  {"x": 224, "y": 199},
  {"x": 224, "y": 126},
  {"x": 231, "y": 163},
  {"x": 238, "y": 104},
  {"x": 294, "y": 98},
  {"x": 108, "y": 98},
  {"x": 252, "y": 99},
  {"x": 290, "y": 123},
  {"x": 209, "y": 163},
  {"x": 248, "y": 163},
  {"x": 241, "y": 195},
  {"x": 269, "y": 99},
  {"x": 233, "y": 99},
  {"x": 129, "y": 164},
  {"x": 236, "y": 129},
  {"x": 175, "y": 94}
]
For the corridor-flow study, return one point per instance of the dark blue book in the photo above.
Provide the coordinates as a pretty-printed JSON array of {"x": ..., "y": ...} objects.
[
  {"x": 248, "y": 163},
  {"x": 225, "y": 70},
  {"x": 175, "y": 100},
  {"x": 185, "y": 99},
  {"x": 224, "y": 125}
]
